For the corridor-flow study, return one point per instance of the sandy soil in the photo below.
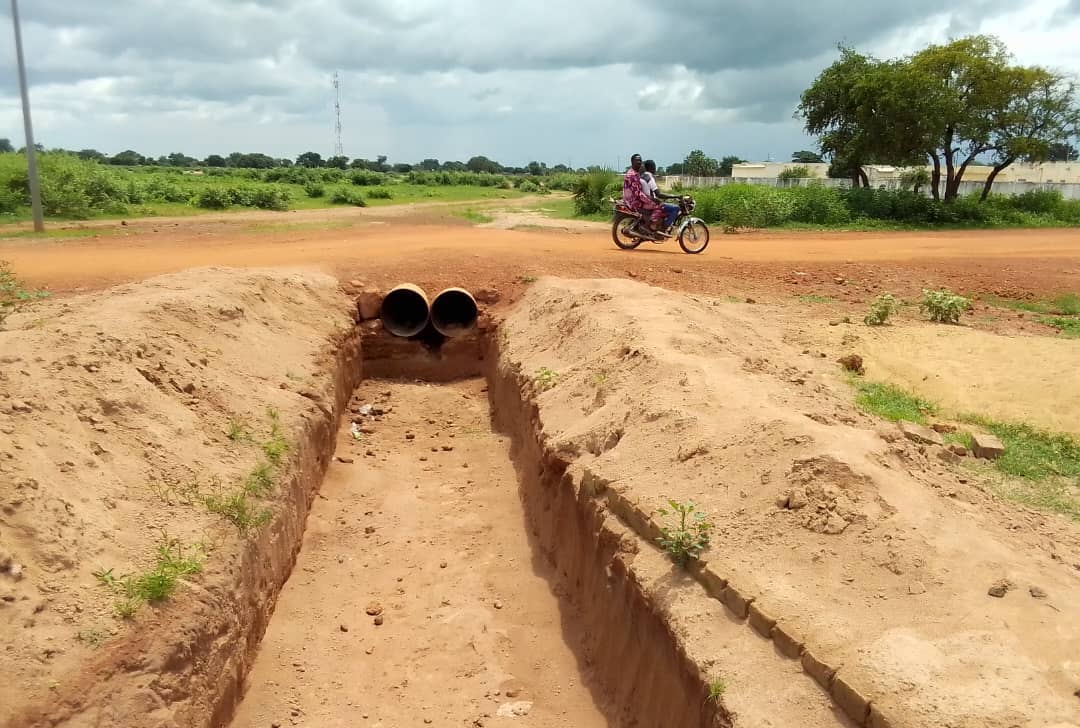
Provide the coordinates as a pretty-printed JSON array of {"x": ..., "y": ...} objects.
[
  {"x": 428, "y": 532},
  {"x": 114, "y": 410},
  {"x": 886, "y": 555}
]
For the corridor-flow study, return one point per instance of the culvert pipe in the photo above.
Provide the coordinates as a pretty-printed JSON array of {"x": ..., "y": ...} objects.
[
  {"x": 453, "y": 312},
  {"x": 405, "y": 310}
]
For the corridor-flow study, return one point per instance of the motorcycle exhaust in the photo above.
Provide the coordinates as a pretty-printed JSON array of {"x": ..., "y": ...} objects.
[
  {"x": 405, "y": 310},
  {"x": 453, "y": 312}
]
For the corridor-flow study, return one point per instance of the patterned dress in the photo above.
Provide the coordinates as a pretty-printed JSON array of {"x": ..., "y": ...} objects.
[{"x": 636, "y": 199}]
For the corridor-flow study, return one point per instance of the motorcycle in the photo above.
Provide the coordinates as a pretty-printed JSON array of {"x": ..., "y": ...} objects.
[{"x": 629, "y": 229}]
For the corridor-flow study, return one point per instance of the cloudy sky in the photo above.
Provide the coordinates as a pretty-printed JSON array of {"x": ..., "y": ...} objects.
[{"x": 571, "y": 81}]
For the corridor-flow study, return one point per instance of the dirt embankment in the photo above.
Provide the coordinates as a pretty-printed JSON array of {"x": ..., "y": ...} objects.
[
  {"x": 865, "y": 558},
  {"x": 125, "y": 415}
]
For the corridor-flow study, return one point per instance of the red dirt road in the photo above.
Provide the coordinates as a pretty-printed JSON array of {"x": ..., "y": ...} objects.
[{"x": 390, "y": 245}]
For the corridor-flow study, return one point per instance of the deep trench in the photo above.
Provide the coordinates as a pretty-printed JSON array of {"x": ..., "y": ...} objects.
[{"x": 628, "y": 658}]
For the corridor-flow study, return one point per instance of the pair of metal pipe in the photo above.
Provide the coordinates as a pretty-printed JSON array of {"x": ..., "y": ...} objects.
[{"x": 406, "y": 311}]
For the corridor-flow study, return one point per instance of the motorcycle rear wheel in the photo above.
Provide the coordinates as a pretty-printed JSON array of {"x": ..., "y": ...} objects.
[{"x": 621, "y": 233}]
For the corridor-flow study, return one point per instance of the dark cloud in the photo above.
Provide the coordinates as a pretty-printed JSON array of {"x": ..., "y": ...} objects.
[{"x": 425, "y": 75}]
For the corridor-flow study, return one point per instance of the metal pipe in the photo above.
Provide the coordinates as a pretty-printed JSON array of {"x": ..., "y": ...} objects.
[
  {"x": 453, "y": 312},
  {"x": 405, "y": 310},
  {"x": 31, "y": 151}
]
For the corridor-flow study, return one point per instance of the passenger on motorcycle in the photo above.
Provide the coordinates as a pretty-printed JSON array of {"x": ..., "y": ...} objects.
[
  {"x": 648, "y": 181},
  {"x": 635, "y": 195}
]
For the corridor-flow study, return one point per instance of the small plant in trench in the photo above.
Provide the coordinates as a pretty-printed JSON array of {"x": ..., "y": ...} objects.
[
  {"x": 717, "y": 688},
  {"x": 173, "y": 561},
  {"x": 881, "y": 309},
  {"x": 277, "y": 446},
  {"x": 688, "y": 536},
  {"x": 12, "y": 294},
  {"x": 944, "y": 307},
  {"x": 237, "y": 509},
  {"x": 238, "y": 430},
  {"x": 527, "y": 279},
  {"x": 545, "y": 379}
]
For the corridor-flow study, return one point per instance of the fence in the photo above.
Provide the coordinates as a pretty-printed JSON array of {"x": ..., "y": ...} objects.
[{"x": 1069, "y": 191}]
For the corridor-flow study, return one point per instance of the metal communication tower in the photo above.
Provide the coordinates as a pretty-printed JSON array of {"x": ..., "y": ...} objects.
[{"x": 339, "y": 148}]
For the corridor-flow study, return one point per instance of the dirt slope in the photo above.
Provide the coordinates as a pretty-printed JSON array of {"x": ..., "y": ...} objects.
[
  {"x": 883, "y": 561},
  {"x": 114, "y": 410}
]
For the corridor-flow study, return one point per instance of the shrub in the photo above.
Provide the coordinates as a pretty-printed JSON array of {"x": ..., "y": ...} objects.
[
  {"x": 944, "y": 306},
  {"x": 212, "y": 198},
  {"x": 799, "y": 172},
  {"x": 12, "y": 294},
  {"x": 591, "y": 191},
  {"x": 819, "y": 205},
  {"x": 380, "y": 193},
  {"x": 529, "y": 186},
  {"x": 271, "y": 198},
  {"x": 880, "y": 310},
  {"x": 366, "y": 178},
  {"x": 345, "y": 196},
  {"x": 1040, "y": 202},
  {"x": 314, "y": 190},
  {"x": 688, "y": 536}
]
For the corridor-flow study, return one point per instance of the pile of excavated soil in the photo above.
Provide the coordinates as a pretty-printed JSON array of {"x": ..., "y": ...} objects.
[
  {"x": 873, "y": 556},
  {"x": 115, "y": 413}
]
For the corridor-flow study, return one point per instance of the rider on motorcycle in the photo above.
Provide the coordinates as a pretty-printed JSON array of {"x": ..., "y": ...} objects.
[
  {"x": 637, "y": 198},
  {"x": 648, "y": 182}
]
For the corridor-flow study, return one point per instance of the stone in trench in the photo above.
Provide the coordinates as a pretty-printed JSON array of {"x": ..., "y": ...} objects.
[
  {"x": 958, "y": 450},
  {"x": 987, "y": 447},
  {"x": 1000, "y": 588},
  {"x": 920, "y": 434},
  {"x": 368, "y": 304},
  {"x": 1037, "y": 592}
]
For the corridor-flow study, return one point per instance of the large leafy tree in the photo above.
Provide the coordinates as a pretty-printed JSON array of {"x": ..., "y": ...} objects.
[
  {"x": 806, "y": 157},
  {"x": 698, "y": 164}
]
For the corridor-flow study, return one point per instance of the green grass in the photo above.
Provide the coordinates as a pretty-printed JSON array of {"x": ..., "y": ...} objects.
[
  {"x": 238, "y": 431},
  {"x": 259, "y": 481},
  {"x": 1067, "y": 304},
  {"x": 172, "y": 562},
  {"x": 814, "y": 298},
  {"x": 563, "y": 209},
  {"x": 237, "y": 509},
  {"x": 960, "y": 438},
  {"x": 892, "y": 403},
  {"x": 477, "y": 218},
  {"x": 1069, "y": 327},
  {"x": 1031, "y": 452},
  {"x": 717, "y": 688}
]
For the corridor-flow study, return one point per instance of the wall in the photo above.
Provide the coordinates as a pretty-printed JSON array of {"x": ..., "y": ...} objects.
[{"x": 1070, "y": 191}]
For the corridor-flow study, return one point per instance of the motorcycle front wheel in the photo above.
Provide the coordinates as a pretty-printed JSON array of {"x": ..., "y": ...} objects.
[
  {"x": 694, "y": 238},
  {"x": 622, "y": 233}
]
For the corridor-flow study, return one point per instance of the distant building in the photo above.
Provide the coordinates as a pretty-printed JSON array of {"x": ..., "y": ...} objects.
[
  {"x": 772, "y": 170},
  {"x": 1048, "y": 172}
]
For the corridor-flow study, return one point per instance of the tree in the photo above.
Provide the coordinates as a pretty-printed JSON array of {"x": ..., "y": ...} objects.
[
  {"x": 697, "y": 164},
  {"x": 1042, "y": 108},
  {"x": 91, "y": 155},
  {"x": 1059, "y": 152},
  {"x": 127, "y": 158},
  {"x": 483, "y": 164},
  {"x": 176, "y": 159},
  {"x": 676, "y": 168},
  {"x": 5, "y": 146},
  {"x": 309, "y": 159},
  {"x": 430, "y": 165},
  {"x": 916, "y": 178},
  {"x": 402, "y": 168},
  {"x": 537, "y": 169},
  {"x": 338, "y": 162},
  {"x": 727, "y": 163},
  {"x": 797, "y": 172},
  {"x": 380, "y": 164},
  {"x": 214, "y": 160},
  {"x": 806, "y": 157}
]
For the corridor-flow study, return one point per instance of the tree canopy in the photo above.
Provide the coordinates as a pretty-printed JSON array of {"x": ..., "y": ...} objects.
[{"x": 950, "y": 105}]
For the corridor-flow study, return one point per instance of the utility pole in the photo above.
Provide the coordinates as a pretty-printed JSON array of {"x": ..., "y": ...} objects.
[{"x": 31, "y": 150}]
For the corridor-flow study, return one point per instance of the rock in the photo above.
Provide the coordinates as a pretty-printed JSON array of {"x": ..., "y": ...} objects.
[
  {"x": 369, "y": 304},
  {"x": 782, "y": 501},
  {"x": 347, "y": 461},
  {"x": 888, "y": 433},
  {"x": 369, "y": 529},
  {"x": 374, "y": 609},
  {"x": 958, "y": 450},
  {"x": 20, "y": 406},
  {"x": 344, "y": 627},
  {"x": 916, "y": 587},
  {"x": 943, "y": 427},
  {"x": 442, "y": 564},
  {"x": 948, "y": 456},
  {"x": 797, "y": 499},
  {"x": 1000, "y": 588},
  {"x": 1037, "y": 593},
  {"x": 498, "y": 604},
  {"x": 920, "y": 434},
  {"x": 852, "y": 363},
  {"x": 447, "y": 448},
  {"x": 750, "y": 300},
  {"x": 487, "y": 295},
  {"x": 410, "y": 436},
  {"x": 515, "y": 710},
  {"x": 835, "y": 525},
  {"x": 15, "y": 571},
  {"x": 987, "y": 447},
  {"x": 379, "y": 621}
]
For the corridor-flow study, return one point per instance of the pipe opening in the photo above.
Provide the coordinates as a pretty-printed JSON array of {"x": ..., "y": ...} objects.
[
  {"x": 405, "y": 311},
  {"x": 453, "y": 312}
]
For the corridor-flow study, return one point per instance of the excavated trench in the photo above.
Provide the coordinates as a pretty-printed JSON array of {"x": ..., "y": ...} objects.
[{"x": 452, "y": 573}]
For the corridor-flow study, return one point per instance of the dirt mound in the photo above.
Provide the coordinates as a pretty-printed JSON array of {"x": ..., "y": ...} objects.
[
  {"x": 871, "y": 558},
  {"x": 127, "y": 417}
]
